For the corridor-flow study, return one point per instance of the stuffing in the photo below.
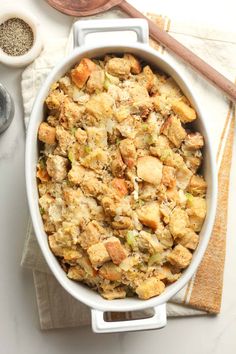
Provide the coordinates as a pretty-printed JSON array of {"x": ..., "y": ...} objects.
[
  {"x": 184, "y": 112},
  {"x": 149, "y": 288},
  {"x": 96, "y": 81},
  {"x": 115, "y": 250},
  {"x": 180, "y": 257},
  {"x": 196, "y": 209},
  {"x": 119, "y": 195},
  {"x": 57, "y": 167},
  {"x": 194, "y": 141},
  {"x": 169, "y": 176},
  {"x": 174, "y": 131},
  {"x": 149, "y": 169},
  {"x": 120, "y": 67},
  {"x": 197, "y": 186},
  {"x": 47, "y": 134},
  {"x": 98, "y": 254},
  {"x": 149, "y": 215},
  {"x": 179, "y": 221},
  {"x": 81, "y": 73},
  {"x": 92, "y": 234}
]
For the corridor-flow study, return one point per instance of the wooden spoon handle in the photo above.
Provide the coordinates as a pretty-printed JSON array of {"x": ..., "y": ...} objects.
[{"x": 207, "y": 71}]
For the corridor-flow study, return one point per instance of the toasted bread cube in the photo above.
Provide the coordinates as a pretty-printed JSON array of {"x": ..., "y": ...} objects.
[
  {"x": 92, "y": 234},
  {"x": 98, "y": 254},
  {"x": 96, "y": 81},
  {"x": 194, "y": 141},
  {"x": 110, "y": 271},
  {"x": 55, "y": 99},
  {"x": 81, "y": 73},
  {"x": 97, "y": 137},
  {"x": 183, "y": 177},
  {"x": 47, "y": 134},
  {"x": 128, "y": 151},
  {"x": 180, "y": 257},
  {"x": 149, "y": 288},
  {"x": 71, "y": 256},
  {"x": 119, "y": 184},
  {"x": 115, "y": 250},
  {"x": 57, "y": 167},
  {"x": 146, "y": 78},
  {"x": 76, "y": 173},
  {"x": 189, "y": 239},
  {"x": 149, "y": 215},
  {"x": 109, "y": 206},
  {"x": 117, "y": 165},
  {"x": 197, "y": 186},
  {"x": 96, "y": 160},
  {"x": 168, "y": 176},
  {"x": 56, "y": 247},
  {"x": 116, "y": 293},
  {"x": 173, "y": 129},
  {"x": 196, "y": 209},
  {"x": 76, "y": 273},
  {"x": 135, "y": 65},
  {"x": 122, "y": 223},
  {"x": 118, "y": 67},
  {"x": 100, "y": 106},
  {"x": 179, "y": 221},
  {"x": 149, "y": 168},
  {"x": 65, "y": 139},
  {"x": 70, "y": 114},
  {"x": 185, "y": 113}
]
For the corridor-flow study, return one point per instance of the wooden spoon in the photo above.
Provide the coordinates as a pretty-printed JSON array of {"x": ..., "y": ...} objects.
[{"x": 79, "y": 8}]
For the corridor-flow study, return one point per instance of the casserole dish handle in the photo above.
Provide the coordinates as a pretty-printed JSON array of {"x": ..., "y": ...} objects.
[
  {"x": 157, "y": 321},
  {"x": 82, "y": 28}
]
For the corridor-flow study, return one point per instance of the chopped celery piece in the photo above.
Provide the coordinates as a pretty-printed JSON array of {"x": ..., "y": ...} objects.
[{"x": 131, "y": 239}]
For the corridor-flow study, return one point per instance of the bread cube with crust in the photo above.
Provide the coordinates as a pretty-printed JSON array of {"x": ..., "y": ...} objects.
[
  {"x": 55, "y": 99},
  {"x": 197, "y": 186},
  {"x": 71, "y": 113},
  {"x": 128, "y": 152},
  {"x": 115, "y": 250},
  {"x": 57, "y": 167},
  {"x": 174, "y": 131},
  {"x": 149, "y": 169},
  {"x": 118, "y": 67},
  {"x": 179, "y": 221},
  {"x": 97, "y": 137},
  {"x": 149, "y": 215},
  {"x": 64, "y": 138},
  {"x": 76, "y": 173},
  {"x": 47, "y": 134},
  {"x": 149, "y": 288},
  {"x": 110, "y": 271},
  {"x": 76, "y": 273},
  {"x": 146, "y": 78},
  {"x": 189, "y": 239},
  {"x": 117, "y": 165},
  {"x": 196, "y": 209},
  {"x": 100, "y": 106},
  {"x": 135, "y": 66},
  {"x": 116, "y": 293},
  {"x": 81, "y": 73},
  {"x": 169, "y": 176},
  {"x": 183, "y": 177},
  {"x": 180, "y": 257},
  {"x": 194, "y": 141},
  {"x": 98, "y": 254},
  {"x": 92, "y": 234},
  {"x": 184, "y": 112},
  {"x": 95, "y": 82}
]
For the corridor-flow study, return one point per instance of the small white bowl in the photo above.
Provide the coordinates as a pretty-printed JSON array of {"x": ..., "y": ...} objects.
[{"x": 25, "y": 59}]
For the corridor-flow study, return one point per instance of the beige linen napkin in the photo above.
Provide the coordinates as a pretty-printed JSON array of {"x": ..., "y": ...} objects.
[{"x": 202, "y": 295}]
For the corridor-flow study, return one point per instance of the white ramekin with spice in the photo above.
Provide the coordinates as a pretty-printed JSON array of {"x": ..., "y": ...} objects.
[{"x": 20, "y": 38}]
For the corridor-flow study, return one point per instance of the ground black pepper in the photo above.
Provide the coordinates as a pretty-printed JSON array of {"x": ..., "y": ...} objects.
[{"x": 16, "y": 37}]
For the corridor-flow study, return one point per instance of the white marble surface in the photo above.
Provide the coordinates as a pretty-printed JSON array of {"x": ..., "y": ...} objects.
[{"x": 19, "y": 327}]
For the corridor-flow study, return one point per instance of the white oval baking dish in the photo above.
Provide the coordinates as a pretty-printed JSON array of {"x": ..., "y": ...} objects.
[{"x": 82, "y": 293}]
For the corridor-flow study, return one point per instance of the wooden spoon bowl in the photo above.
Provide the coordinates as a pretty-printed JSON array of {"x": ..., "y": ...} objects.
[{"x": 83, "y": 7}]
